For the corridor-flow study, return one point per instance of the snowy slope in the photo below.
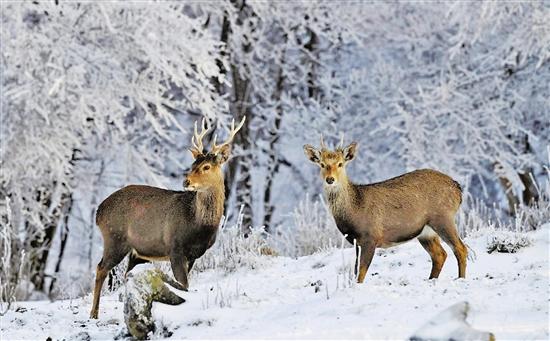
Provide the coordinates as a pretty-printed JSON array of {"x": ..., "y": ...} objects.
[{"x": 313, "y": 297}]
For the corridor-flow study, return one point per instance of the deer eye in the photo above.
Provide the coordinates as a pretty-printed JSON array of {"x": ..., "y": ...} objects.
[
  {"x": 322, "y": 165},
  {"x": 340, "y": 164},
  {"x": 205, "y": 168}
]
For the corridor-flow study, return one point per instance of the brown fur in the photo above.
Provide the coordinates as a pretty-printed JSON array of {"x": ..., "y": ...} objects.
[{"x": 390, "y": 212}]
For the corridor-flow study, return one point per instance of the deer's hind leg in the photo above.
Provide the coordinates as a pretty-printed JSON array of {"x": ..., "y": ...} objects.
[
  {"x": 445, "y": 227},
  {"x": 431, "y": 243},
  {"x": 113, "y": 254}
]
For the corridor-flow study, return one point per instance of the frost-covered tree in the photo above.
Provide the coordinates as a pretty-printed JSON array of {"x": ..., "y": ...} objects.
[
  {"x": 99, "y": 95},
  {"x": 271, "y": 51},
  {"x": 457, "y": 87},
  {"x": 82, "y": 77}
]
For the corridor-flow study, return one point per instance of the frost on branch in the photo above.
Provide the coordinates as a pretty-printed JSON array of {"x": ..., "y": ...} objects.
[{"x": 145, "y": 285}]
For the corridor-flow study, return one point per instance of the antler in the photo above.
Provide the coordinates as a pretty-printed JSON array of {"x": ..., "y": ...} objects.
[
  {"x": 323, "y": 145},
  {"x": 341, "y": 144},
  {"x": 196, "y": 140},
  {"x": 232, "y": 132}
]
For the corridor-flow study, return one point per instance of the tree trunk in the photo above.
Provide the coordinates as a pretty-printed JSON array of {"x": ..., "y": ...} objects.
[
  {"x": 41, "y": 243},
  {"x": 530, "y": 193},
  {"x": 312, "y": 46},
  {"x": 273, "y": 162},
  {"x": 64, "y": 237},
  {"x": 239, "y": 168},
  {"x": 513, "y": 201}
]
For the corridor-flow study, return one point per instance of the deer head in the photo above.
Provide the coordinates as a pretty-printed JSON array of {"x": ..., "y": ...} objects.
[
  {"x": 206, "y": 170},
  {"x": 332, "y": 162}
]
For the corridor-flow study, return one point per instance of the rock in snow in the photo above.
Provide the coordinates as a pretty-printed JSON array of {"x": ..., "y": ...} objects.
[
  {"x": 144, "y": 285},
  {"x": 451, "y": 324}
]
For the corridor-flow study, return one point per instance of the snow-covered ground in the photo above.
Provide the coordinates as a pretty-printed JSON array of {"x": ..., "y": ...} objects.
[{"x": 313, "y": 297}]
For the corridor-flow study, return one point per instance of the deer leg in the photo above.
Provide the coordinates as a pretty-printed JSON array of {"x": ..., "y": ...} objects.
[
  {"x": 134, "y": 260},
  {"x": 367, "y": 252},
  {"x": 437, "y": 253},
  {"x": 108, "y": 262},
  {"x": 180, "y": 269},
  {"x": 100, "y": 276},
  {"x": 446, "y": 229}
]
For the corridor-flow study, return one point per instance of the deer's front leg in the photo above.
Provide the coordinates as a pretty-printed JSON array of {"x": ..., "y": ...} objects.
[
  {"x": 179, "y": 265},
  {"x": 365, "y": 258}
]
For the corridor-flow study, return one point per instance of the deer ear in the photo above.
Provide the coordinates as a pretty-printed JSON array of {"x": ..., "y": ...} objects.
[
  {"x": 223, "y": 153},
  {"x": 312, "y": 154},
  {"x": 350, "y": 151}
]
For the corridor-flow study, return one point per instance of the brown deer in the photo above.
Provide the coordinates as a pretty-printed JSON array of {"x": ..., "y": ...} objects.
[
  {"x": 155, "y": 224},
  {"x": 421, "y": 204}
]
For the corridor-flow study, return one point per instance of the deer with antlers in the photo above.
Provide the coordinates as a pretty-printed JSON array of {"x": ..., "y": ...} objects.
[
  {"x": 155, "y": 224},
  {"x": 421, "y": 204}
]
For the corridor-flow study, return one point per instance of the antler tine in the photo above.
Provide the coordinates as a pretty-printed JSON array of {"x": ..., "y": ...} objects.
[
  {"x": 323, "y": 145},
  {"x": 235, "y": 130},
  {"x": 232, "y": 132},
  {"x": 196, "y": 140},
  {"x": 341, "y": 144}
]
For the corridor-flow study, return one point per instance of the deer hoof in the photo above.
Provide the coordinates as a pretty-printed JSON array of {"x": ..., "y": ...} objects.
[{"x": 179, "y": 286}]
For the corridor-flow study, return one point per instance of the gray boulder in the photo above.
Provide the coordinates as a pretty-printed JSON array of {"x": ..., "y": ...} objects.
[{"x": 450, "y": 324}]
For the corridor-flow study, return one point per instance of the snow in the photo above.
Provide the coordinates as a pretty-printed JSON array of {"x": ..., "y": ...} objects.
[{"x": 313, "y": 297}]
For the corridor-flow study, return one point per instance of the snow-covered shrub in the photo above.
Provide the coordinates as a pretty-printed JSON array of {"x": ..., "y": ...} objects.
[
  {"x": 507, "y": 241},
  {"x": 314, "y": 230},
  {"x": 234, "y": 249},
  {"x": 475, "y": 216}
]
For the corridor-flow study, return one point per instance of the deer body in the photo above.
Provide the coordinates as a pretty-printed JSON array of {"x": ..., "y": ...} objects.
[
  {"x": 155, "y": 224},
  {"x": 421, "y": 204},
  {"x": 137, "y": 216},
  {"x": 396, "y": 210}
]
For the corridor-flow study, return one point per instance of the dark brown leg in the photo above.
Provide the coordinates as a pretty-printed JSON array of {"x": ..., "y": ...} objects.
[
  {"x": 180, "y": 269},
  {"x": 437, "y": 253},
  {"x": 100, "y": 276},
  {"x": 446, "y": 229},
  {"x": 109, "y": 261},
  {"x": 367, "y": 253}
]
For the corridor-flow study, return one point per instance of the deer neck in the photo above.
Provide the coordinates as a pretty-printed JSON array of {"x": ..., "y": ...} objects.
[
  {"x": 339, "y": 197},
  {"x": 209, "y": 205}
]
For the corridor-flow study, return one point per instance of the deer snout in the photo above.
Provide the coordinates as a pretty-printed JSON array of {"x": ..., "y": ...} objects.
[
  {"x": 187, "y": 185},
  {"x": 329, "y": 180}
]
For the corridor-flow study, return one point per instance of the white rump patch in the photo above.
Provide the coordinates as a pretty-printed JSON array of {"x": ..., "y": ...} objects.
[{"x": 427, "y": 233}]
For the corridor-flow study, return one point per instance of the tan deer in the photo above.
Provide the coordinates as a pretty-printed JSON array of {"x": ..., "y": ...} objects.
[
  {"x": 155, "y": 224},
  {"x": 421, "y": 204}
]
